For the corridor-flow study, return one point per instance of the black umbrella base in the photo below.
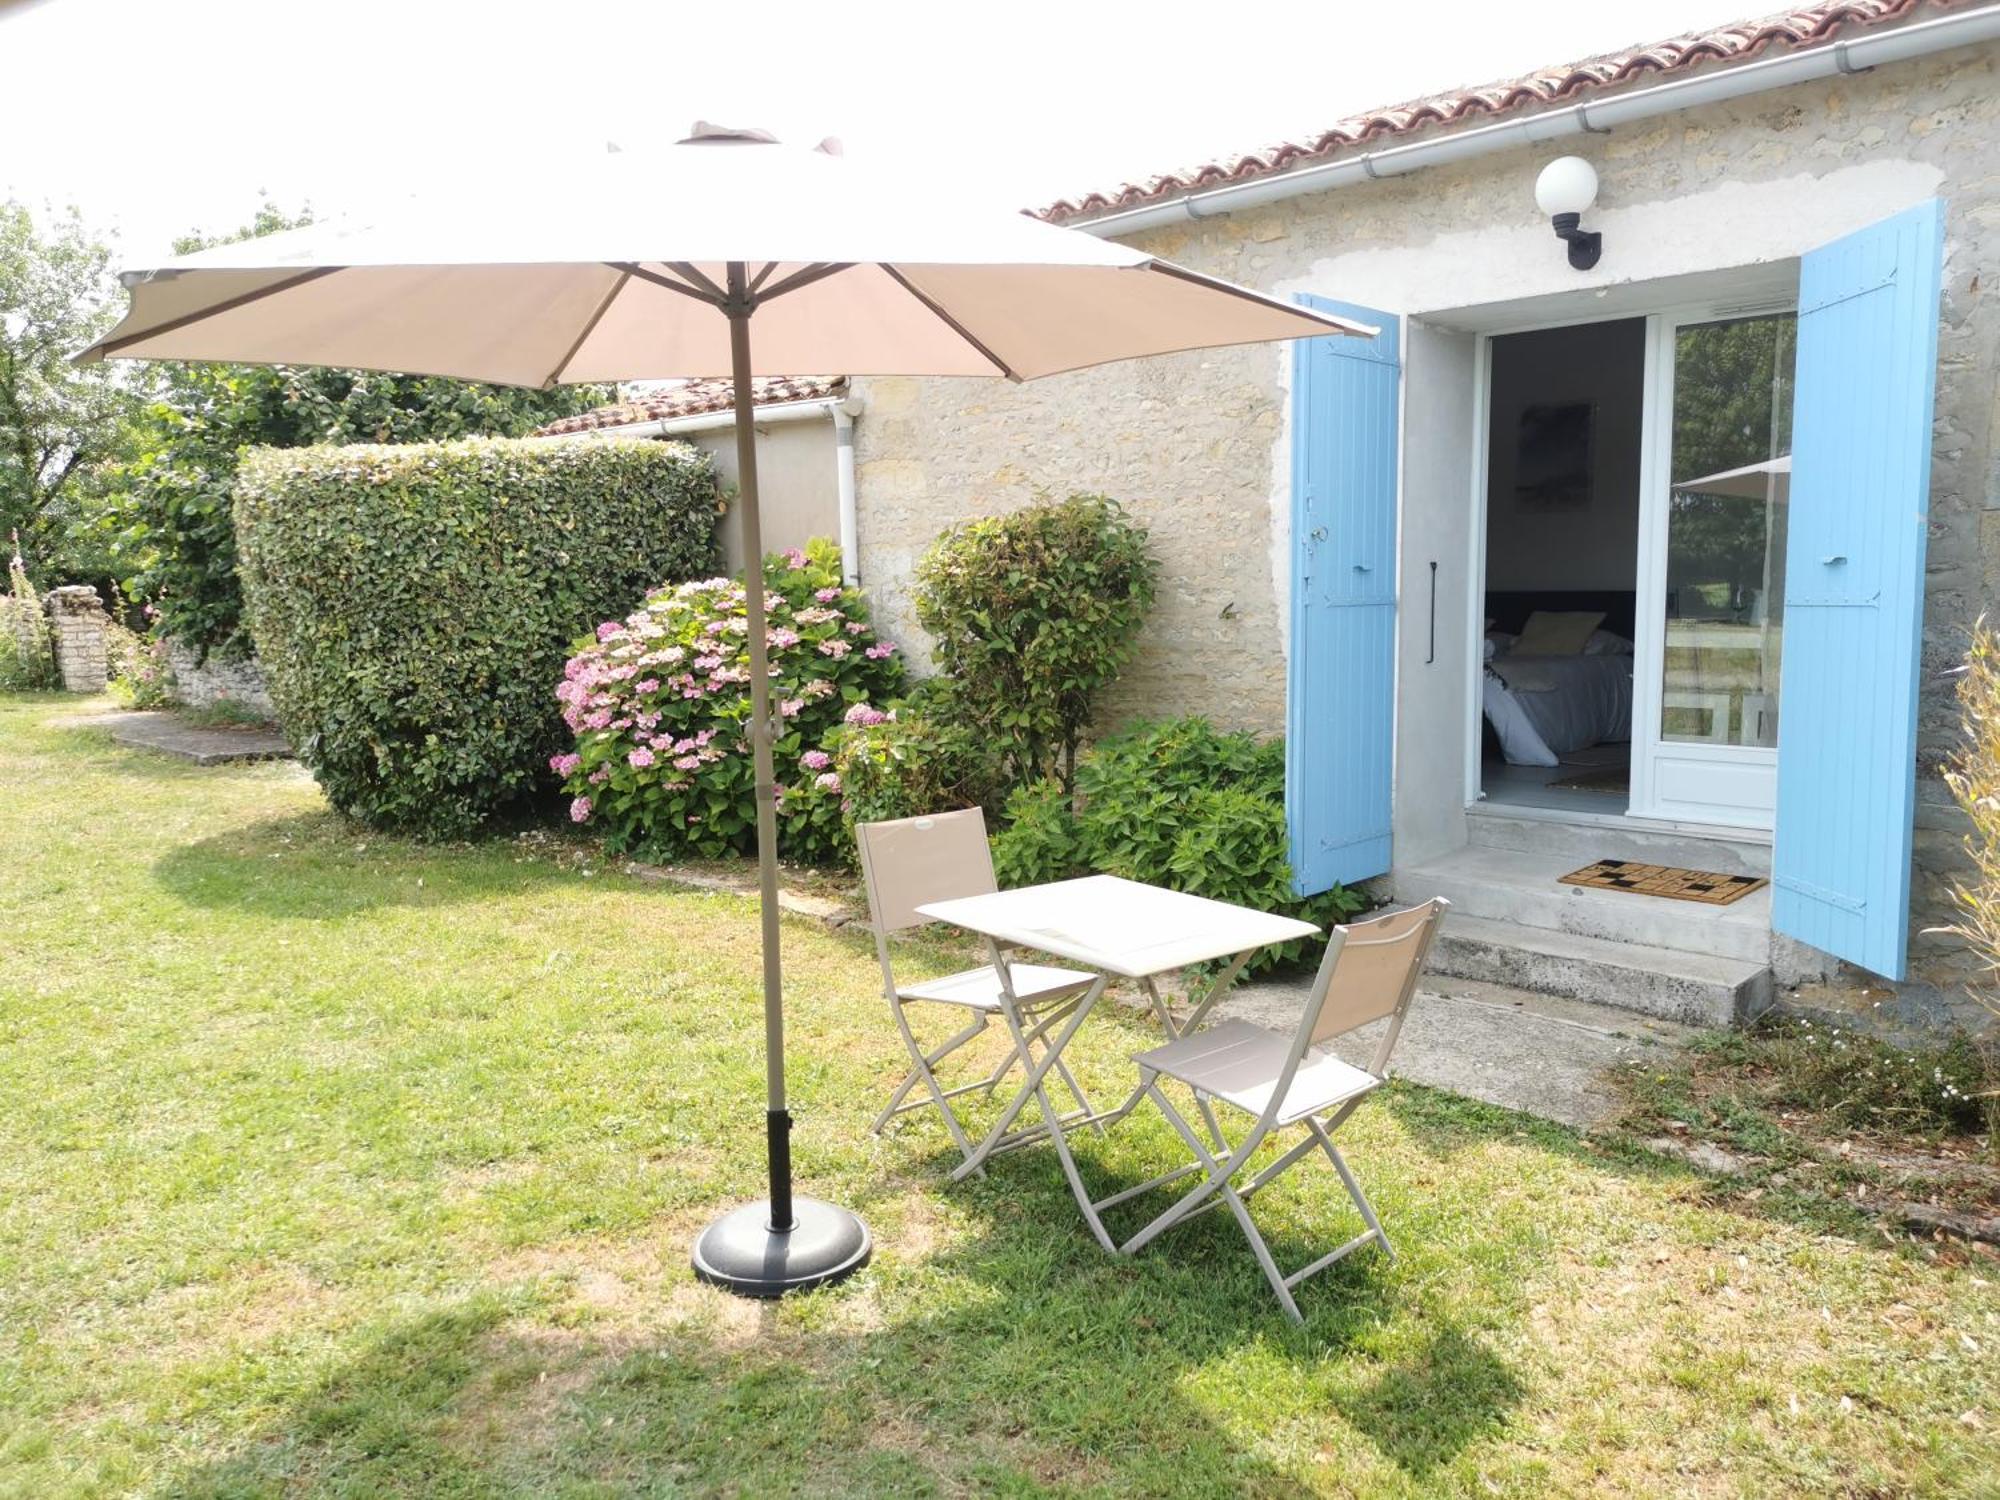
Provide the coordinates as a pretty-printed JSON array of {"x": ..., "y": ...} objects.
[{"x": 742, "y": 1252}]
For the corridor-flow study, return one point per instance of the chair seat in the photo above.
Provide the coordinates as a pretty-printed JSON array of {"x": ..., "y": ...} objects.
[
  {"x": 979, "y": 989},
  {"x": 1239, "y": 1064}
]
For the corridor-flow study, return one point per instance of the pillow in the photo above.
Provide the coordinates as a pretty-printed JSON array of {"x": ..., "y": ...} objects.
[
  {"x": 1557, "y": 632},
  {"x": 1607, "y": 643},
  {"x": 1498, "y": 643}
]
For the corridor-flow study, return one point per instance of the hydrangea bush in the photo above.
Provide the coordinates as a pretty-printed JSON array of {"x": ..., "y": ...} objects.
[{"x": 659, "y": 704}]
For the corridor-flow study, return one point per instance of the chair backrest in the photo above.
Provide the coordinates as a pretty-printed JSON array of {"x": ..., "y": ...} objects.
[
  {"x": 1370, "y": 971},
  {"x": 910, "y": 861}
]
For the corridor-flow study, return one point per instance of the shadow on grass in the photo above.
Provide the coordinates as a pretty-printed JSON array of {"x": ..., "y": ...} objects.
[
  {"x": 317, "y": 866},
  {"x": 1018, "y": 1360}
]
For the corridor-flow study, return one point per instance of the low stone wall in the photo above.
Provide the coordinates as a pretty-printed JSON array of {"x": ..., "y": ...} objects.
[
  {"x": 199, "y": 683},
  {"x": 76, "y": 626}
]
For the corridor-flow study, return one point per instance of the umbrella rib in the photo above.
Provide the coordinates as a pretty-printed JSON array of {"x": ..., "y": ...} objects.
[
  {"x": 806, "y": 277},
  {"x": 949, "y": 321},
  {"x": 687, "y": 270},
  {"x": 761, "y": 277},
  {"x": 656, "y": 279},
  {"x": 112, "y": 346},
  {"x": 556, "y": 375}
]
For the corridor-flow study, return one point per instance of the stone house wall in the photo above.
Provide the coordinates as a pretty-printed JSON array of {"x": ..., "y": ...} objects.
[{"x": 1195, "y": 443}]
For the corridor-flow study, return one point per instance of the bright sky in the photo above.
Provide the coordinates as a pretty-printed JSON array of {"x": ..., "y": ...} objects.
[{"x": 156, "y": 118}]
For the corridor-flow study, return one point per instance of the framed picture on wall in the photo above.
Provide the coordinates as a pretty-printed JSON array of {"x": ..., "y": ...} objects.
[{"x": 1552, "y": 460}]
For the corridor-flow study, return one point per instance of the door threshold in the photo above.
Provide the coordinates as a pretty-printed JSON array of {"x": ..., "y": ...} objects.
[{"x": 1522, "y": 810}]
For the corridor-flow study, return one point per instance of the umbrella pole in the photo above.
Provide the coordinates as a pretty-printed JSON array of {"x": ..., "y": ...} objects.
[{"x": 783, "y": 1244}]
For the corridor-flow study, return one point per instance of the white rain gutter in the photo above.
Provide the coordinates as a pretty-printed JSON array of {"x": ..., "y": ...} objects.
[
  {"x": 842, "y": 409},
  {"x": 1589, "y": 117},
  {"x": 711, "y": 421}
]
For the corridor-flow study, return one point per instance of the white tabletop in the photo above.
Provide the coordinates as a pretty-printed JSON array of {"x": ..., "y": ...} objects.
[{"x": 1118, "y": 926}]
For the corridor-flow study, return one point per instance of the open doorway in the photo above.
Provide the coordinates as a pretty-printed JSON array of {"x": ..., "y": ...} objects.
[{"x": 1565, "y": 439}]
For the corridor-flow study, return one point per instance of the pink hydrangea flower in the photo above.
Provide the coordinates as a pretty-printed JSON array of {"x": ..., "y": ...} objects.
[
  {"x": 607, "y": 631},
  {"x": 639, "y": 759},
  {"x": 880, "y": 651},
  {"x": 864, "y": 716},
  {"x": 856, "y": 627},
  {"x": 834, "y": 648},
  {"x": 652, "y": 685},
  {"x": 815, "y": 760},
  {"x": 565, "y": 765},
  {"x": 687, "y": 762},
  {"x": 579, "y": 810},
  {"x": 780, "y": 639},
  {"x": 827, "y": 781},
  {"x": 794, "y": 558},
  {"x": 791, "y": 707},
  {"x": 826, "y": 596}
]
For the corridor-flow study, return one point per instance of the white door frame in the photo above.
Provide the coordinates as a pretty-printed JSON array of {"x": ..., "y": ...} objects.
[{"x": 1656, "y": 435}]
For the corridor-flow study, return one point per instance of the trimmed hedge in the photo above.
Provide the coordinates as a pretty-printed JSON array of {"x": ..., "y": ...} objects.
[{"x": 411, "y": 604}]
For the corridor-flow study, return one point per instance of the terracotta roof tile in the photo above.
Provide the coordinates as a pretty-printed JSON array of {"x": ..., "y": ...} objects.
[
  {"x": 1811, "y": 26},
  {"x": 695, "y": 399}
]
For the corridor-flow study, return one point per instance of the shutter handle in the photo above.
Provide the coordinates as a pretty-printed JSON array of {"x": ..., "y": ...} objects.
[
  {"x": 1319, "y": 533},
  {"x": 1834, "y": 561},
  {"x": 1363, "y": 568}
]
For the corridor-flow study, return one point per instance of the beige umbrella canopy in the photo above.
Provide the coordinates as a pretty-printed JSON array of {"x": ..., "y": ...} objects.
[
  {"x": 1769, "y": 480},
  {"x": 635, "y": 266}
]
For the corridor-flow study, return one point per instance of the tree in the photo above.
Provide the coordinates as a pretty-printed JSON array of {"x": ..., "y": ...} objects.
[
  {"x": 61, "y": 428},
  {"x": 181, "y": 493}
]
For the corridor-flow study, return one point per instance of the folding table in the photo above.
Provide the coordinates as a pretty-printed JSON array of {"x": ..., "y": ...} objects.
[{"x": 1116, "y": 928}]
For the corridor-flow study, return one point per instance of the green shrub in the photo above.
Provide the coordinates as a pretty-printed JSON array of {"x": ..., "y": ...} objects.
[
  {"x": 920, "y": 759},
  {"x": 1177, "y": 804},
  {"x": 659, "y": 704},
  {"x": 1040, "y": 839},
  {"x": 140, "y": 674},
  {"x": 1031, "y": 615},
  {"x": 27, "y": 660},
  {"x": 413, "y": 604}
]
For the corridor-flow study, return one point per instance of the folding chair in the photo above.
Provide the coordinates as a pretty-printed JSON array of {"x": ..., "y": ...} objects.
[
  {"x": 907, "y": 863},
  {"x": 1370, "y": 971}
]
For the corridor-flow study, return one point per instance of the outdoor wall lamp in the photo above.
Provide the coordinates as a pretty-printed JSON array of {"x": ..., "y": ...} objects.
[{"x": 1565, "y": 191}]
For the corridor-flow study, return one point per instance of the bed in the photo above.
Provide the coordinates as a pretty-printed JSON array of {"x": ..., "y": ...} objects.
[{"x": 1541, "y": 708}]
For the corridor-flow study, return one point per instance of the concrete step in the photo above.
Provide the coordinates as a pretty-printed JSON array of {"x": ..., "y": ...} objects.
[
  {"x": 1491, "y": 827},
  {"x": 1693, "y": 989},
  {"x": 1522, "y": 887},
  {"x": 1543, "y": 1054}
]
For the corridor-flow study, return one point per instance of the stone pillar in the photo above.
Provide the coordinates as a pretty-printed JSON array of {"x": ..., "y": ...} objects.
[{"x": 76, "y": 621}]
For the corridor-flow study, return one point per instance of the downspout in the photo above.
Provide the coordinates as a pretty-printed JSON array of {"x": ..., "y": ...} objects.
[
  {"x": 843, "y": 468},
  {"x": 1593, "y": 116}
]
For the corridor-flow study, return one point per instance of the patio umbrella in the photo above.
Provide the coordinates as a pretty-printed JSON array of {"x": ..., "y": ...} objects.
[{"x": 634, "y": 266}]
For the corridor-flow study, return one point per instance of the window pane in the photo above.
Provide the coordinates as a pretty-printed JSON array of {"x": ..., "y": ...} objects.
[{"x": 1726, "y": 530}]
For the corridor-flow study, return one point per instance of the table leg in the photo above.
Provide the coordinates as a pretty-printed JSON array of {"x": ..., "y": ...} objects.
[
  {"x": 1035, "y": 1069},
  {"x": 1214, "y": 993}
]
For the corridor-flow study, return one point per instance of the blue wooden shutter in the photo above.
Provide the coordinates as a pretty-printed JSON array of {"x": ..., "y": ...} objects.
[
  {"x": 1341, "y": 688},
  {"x": 1854, "y": 589}
]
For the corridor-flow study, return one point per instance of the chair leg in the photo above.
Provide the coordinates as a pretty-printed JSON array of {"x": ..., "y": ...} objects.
[
  {"x": 1353, "y": 1187},
  {"x": 923, "y": 1062},
  {"x": 914, "y": 1077},
  {"x": 1217, "y": 1181}
]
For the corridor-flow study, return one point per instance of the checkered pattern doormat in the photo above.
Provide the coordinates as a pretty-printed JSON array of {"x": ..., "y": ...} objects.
[{"x": 1706, "y": 886}]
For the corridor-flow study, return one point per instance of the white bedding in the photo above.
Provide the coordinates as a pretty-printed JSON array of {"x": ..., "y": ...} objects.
[{"x": 1543, "y": 707}]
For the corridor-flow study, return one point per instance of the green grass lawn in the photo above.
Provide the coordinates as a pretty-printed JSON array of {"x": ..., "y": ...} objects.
[{"x": 331, "y": 1164}]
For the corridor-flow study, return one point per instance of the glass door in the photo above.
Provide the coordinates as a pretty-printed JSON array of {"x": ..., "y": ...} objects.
[{"x": 1712, "y": 574}]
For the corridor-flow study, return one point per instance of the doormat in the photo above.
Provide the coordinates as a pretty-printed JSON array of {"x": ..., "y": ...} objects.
[
  {"x": 1597, "y": 779},
  {"x": 1706, "y": 886}
]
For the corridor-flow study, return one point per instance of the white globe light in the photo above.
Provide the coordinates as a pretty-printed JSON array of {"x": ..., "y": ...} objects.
[{"x": 1568, "y": 185}]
